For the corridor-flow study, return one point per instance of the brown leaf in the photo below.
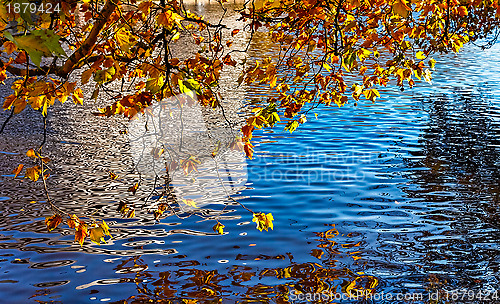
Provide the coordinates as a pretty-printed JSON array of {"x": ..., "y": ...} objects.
[
  {"x": 53, "y": 221},
  {"x": 133, "y": 189}
]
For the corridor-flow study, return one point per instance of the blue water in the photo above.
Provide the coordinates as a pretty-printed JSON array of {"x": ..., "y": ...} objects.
[{"x": 398, "y": 196}]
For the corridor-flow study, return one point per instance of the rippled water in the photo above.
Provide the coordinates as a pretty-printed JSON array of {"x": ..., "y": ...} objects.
[{"x": 401, "y": 195}]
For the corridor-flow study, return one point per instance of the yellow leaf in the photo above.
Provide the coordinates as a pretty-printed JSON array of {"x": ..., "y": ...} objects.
[
  {"x": 420, "y": 55},
  {"x": 97, "y": 233},
  {"x": 17, "y": 170},
  {"x": 124, "y": 39},
  {"x": 78, "y": 96},
  {"x": 264, "y": 221}
]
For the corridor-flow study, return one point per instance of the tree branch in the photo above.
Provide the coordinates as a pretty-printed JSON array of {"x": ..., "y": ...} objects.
[{"x": 86, "y": 48}]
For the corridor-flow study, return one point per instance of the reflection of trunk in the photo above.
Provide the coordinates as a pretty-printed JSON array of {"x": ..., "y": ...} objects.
[{"x": 461, "y": 145}]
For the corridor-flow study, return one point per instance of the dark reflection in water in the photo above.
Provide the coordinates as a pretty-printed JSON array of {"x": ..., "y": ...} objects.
[{"x": 457, "y": 174}]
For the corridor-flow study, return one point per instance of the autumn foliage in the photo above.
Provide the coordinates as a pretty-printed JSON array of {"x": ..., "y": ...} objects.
[{"x": 331, "y": 52}]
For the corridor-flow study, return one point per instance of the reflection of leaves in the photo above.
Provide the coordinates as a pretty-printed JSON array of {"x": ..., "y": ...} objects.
[
  {"x": 190, "y": 164},
  {"x": 157, "y": 152},
  {"x": 264, "y": 221},
  {"x": 53, "y": 221},
  {"x": 190, "y": 202}
]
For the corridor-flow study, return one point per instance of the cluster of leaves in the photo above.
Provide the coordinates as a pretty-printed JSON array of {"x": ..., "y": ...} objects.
[
  {"x": 331, "y": 51},
  {"x": 95, "y": 230},
  {"x": 323, "y": 44}
]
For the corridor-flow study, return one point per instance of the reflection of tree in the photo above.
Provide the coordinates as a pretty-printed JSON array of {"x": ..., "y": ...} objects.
[
  {"x": 461, "y": 149},
  {"x": 327, "y": 274},
  {"x": 456, "y": 175}
]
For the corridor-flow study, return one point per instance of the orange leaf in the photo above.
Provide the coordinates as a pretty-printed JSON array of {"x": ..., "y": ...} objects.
[
  {"x": 17, "y": 170},
  {"x": 53, "y": 221},
  {"x": 74, "y": 222},
  {"x": 10, "y": 47},
  {"x": 81, "y": 233},
  {"x": 31, "y": 153}
]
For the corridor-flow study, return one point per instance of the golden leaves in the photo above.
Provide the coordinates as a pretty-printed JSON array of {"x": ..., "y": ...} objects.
[
  {"x": 53, "y": 221},
  {"x": 33, "y": 173},
  {"x": 264, "y": 221}
]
